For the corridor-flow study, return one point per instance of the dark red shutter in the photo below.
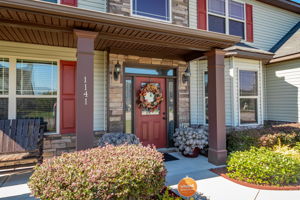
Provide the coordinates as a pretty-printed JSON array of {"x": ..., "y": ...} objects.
[
  {"x": 67, "y": 96},
  {"x": 69, "y": 2},
  {"x": 202, "y": 15},
  {"x": 249, "y": 23}
]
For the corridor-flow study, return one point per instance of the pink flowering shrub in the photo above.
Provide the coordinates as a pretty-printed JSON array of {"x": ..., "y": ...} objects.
[{"x": 110, "y": 172}]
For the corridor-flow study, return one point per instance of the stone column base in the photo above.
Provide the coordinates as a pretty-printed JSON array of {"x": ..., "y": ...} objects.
[{"x": 217, "y": 157}]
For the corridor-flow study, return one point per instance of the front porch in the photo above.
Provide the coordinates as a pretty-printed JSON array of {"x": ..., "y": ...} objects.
[{"x": 92, "y": 37}]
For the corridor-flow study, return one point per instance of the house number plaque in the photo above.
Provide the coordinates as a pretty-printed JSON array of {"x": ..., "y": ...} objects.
[{"x": 85, "y": 93}]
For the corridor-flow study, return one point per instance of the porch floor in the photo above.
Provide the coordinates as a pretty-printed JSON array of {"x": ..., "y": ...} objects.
[{"x": 210, "y": 185}]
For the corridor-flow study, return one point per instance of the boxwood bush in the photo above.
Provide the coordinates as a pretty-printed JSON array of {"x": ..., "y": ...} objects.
[
  {"x": 110, "y": 172},
  {"x": 240, "y": 140},
  {"x": 263, "y": 166}
]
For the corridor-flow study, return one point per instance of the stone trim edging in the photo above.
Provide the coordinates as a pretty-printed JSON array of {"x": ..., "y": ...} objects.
[{"x": 222, "y": 172}]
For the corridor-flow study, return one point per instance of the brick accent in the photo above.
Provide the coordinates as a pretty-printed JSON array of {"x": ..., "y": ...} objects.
[
  {"x": 121, "y": 7},
  {"x": 183, "y": 104},
  {"x": 56, "y": 144},
  {"x": 115, "y": 91},
  {"x": 180, "y": 13}
]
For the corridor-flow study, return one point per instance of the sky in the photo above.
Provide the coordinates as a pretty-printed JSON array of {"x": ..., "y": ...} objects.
[{"x": 296, "y": 1}]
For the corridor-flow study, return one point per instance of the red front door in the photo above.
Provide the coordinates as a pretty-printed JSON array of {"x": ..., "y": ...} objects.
[{"x": 151, "y": 126}]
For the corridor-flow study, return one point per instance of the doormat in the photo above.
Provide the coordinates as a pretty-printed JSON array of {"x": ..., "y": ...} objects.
[{"x": 168, "y": 157}]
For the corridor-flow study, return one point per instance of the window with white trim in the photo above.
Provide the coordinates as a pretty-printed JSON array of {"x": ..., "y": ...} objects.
[
  {"x": 4, "y": 72},
  {"x": 33, "y": 93},
  {"x": 155, "y": 9},
  {"x": 248, "y": 96},
  {"x": 226, "y": 16}
]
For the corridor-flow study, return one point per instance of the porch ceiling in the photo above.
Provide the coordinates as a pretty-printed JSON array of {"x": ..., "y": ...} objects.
[{"x": 51, "y": 24}]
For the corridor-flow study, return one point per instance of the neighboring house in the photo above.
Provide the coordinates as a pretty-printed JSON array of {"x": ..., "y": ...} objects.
[{"x": 80, "y": 64}]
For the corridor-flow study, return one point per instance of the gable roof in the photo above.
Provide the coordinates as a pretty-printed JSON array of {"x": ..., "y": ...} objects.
[
  {"x": 284, "y": 4},
  {"x": 289, "y": 44}
]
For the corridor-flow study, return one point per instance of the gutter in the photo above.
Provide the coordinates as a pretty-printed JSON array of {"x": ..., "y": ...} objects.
[{"x": 285, "y": 58}]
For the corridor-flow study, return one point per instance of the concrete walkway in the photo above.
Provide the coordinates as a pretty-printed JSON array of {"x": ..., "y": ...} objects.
[
  {"x": 210, "y": 185},
  {"x": 214, "y": 187}
]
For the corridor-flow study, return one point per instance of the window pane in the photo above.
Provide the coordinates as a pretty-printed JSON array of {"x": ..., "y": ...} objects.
[
  {"x": 171, "y": 109},
  {"x": 236, "y": 10},
  {"x": 3, "y": 108},
  {"x": 53, "y": 1},
  {"x": 36, "y": 77},
  {"x": 128, "y": 106},
  {"x": 160, "y": 72},
  {"x": 216, "y": 24},
  {"x": 206, "y": 83},
  {"x": 158, "y": 9},
  {"x": 248, "y": 83},
  {"x": 248, "y": 111},
  {"x": 236, "y": 28},
  {"x": 44, "y": 108},
  {"x": 4, "y": 65},
  {"x": 216, "y": 6},
  {"x": 206, "y": 110}
]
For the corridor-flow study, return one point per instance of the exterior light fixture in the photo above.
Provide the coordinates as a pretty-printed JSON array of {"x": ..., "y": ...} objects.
[
  {"x": 117, "y": 71},
  {"x": 186, "y": 75}
]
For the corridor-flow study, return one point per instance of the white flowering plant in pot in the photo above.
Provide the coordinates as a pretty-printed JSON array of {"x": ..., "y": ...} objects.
[{"x": 187, "y": 139}]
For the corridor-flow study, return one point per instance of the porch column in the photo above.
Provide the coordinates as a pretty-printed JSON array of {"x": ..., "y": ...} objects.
[
  {"x": 217, "y": 152},
  {"x": 85, "y": 89}
]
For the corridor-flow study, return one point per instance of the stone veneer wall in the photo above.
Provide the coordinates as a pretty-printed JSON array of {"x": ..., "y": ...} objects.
[
  {"x": 56, "y": 144},
  {"x": 180, "y": 10},
  {"x": 115, "y": 90}
]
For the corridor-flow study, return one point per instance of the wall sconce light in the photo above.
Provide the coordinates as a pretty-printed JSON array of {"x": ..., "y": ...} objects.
[
  {"x": 186, "y": 75},
  {"x": 117, "y": 71}
]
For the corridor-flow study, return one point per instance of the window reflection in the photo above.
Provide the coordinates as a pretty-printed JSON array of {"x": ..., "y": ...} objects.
[
  {"x": 248, "y": 83},
  {"x": 248, "y": 97},
  {"x": 171, "y": 110},
  {"x": 248, "y": 109},
  {"x": 4, "y": 70},
  {"x": 128, "y": 106},
  {"x": 43, "y": 108},
  {"x": 206, "y": 96},
  {"x": 160, "y": 72},
  {"x": 36, "y": 78},
  {"x": 3, "y": 108}
]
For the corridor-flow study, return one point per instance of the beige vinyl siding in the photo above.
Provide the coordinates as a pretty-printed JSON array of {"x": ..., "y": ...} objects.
[
  {"x": 197, "y": 92},
  {"x": 270, "y": 23},
  {"x": 193, "y": 13},
  {"x": 283, "y": 91},
  {"x": 43, "y": 52},
  {"x": 96, "y": 5},
  {"x": 100, "y": 91}
]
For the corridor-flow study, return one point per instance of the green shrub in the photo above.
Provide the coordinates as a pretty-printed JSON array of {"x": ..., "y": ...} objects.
[
  {"x": 101, "y": 173},
  {"x": 242, "y": 140},
  {"x": 263, "y": 166},
  {"x": 297, "y": 146},
  {"x": 288, "y": 134}
]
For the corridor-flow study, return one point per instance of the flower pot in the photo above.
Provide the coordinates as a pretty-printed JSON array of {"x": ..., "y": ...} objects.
[{"x": 195, "y": 153}]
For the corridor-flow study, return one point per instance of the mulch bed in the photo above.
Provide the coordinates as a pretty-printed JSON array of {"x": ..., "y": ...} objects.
[{"x": 223, "y": 172}]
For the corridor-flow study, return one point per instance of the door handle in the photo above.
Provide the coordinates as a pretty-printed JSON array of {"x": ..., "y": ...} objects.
[{"x": 164, "y": 118}]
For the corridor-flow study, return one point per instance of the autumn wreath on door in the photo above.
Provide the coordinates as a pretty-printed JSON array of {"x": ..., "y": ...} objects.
[{"x": 149, "y": 97}]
